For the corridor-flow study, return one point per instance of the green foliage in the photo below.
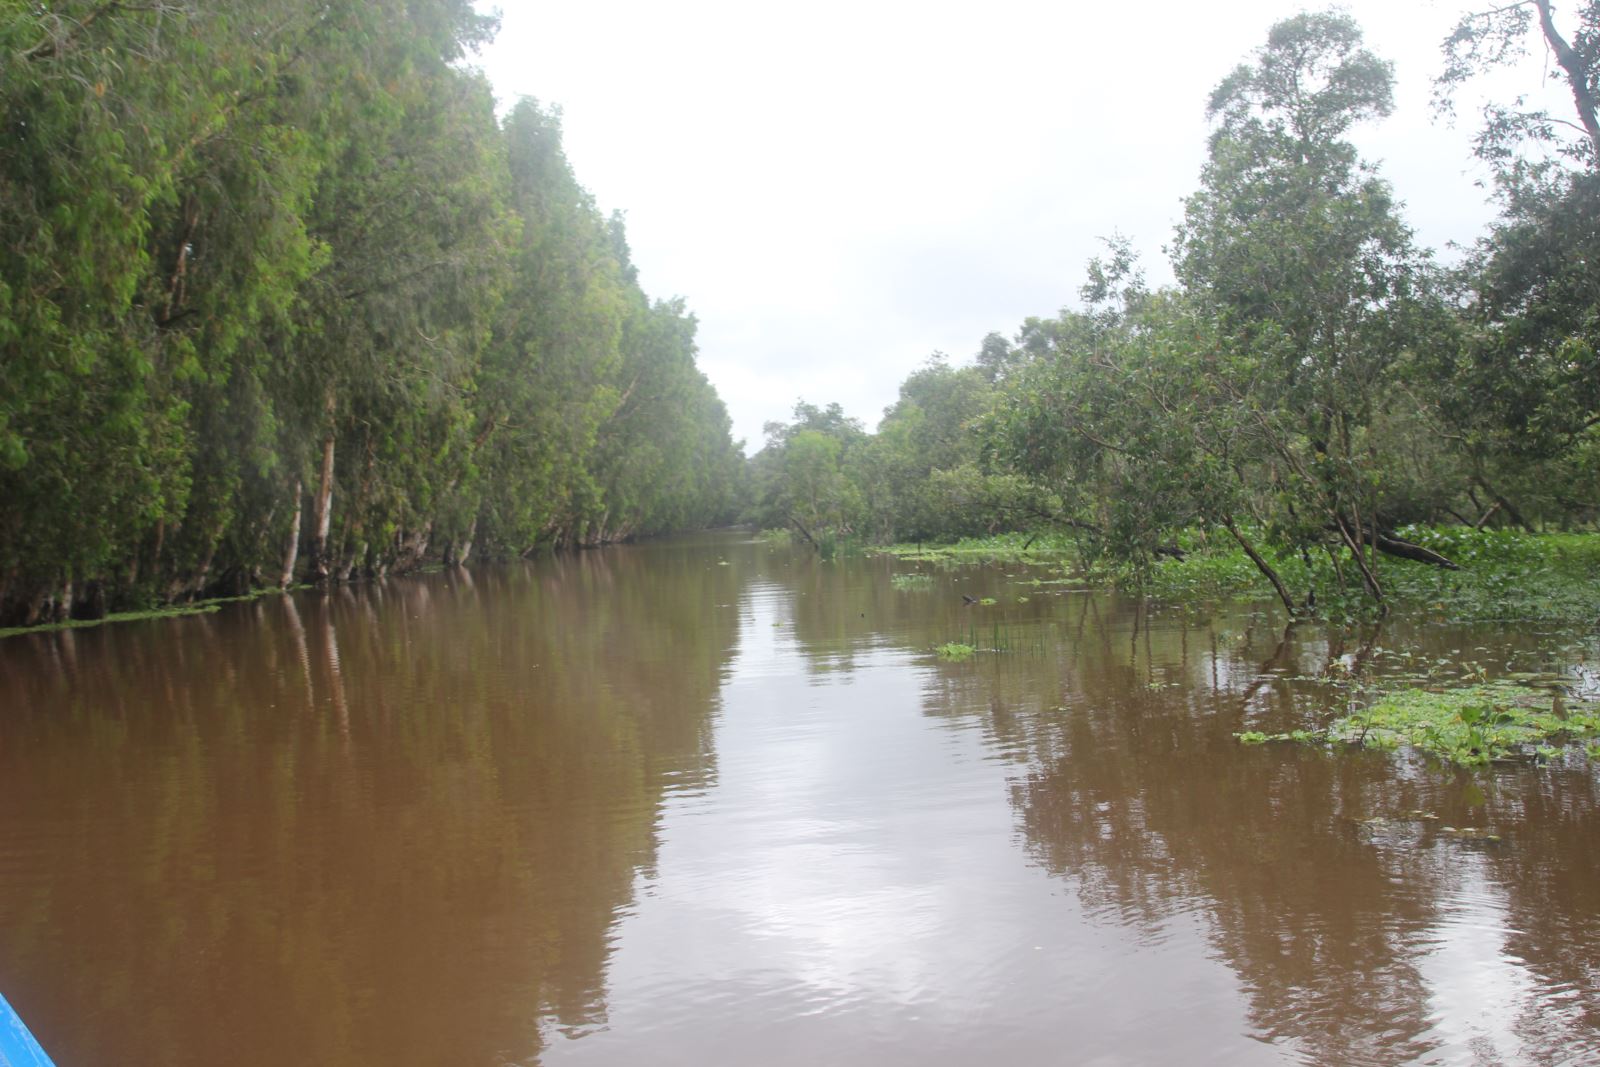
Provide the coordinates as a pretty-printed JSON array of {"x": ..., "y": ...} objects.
[
  {"x": 1522, "y": 390},
  {"x": 274, "y": 279},
  {"x": 1013, "y": 547},
  {"x": 1470, "y": 726},
  {"x": 911, "y": 582},
  {"x": 265, "y": 264},
  {"x": 1312, "y": 388},
  {"x": 955, "y": 651},
  {"x": 1303, "y": 737},
  {"x": 919, "y": 476},
  {"x": 1485, "y": 38},
  {"x": 1306, "y": 393},
  {"x": 1504, "y": 575}
]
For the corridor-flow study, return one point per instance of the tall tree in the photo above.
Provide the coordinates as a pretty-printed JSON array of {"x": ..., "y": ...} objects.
[
  {"x": 1296, "y": 247},
  {"x": 1523, "y": 387}
]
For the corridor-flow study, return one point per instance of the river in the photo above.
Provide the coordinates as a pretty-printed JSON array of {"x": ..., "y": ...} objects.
[{"x": 708, "y": 801}]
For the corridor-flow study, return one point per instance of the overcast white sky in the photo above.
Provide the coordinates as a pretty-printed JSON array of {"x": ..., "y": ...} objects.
[{"x": 840, "y": 189}]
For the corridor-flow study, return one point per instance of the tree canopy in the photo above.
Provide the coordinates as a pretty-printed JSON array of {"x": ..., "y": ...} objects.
[
  {"x": 1313, "y": 380},
  {"x": 280, "y": 298}
]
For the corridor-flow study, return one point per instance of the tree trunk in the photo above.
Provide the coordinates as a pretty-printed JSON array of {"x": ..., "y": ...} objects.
[
  {"x": 1390, "y": 545},
  {"x": 203, "y": 574},
  {"x": 1577, "y": 74},
  {"x": 798, "y": 525},
  {"x": 322, "y": 516},
  {"x": 411, "y": 548},
  {"x": 155, "y": 552},
  {"x": 1505, "y": 505},
  {"x": 291, "y": 547},
  {"x": 352, "y": 561},
  {"x": 1261, "y": 564},
  {"x": 93, "y": 603},
  {"x": 1393, "y": 546},
  {"x": 34, "y": 615},
  {"x": 1354, "y": 544},
  {"x": 465, "y": 550}
]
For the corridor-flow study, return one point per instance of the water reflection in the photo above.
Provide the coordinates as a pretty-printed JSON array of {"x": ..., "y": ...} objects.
[
  {"x": 392, "y": 825},
  {"x": 706, "y": 802},
  {"x": 1351, "y": 944}
]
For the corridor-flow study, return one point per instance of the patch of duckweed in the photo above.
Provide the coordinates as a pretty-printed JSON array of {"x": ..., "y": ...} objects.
[
  {"x": 955, "y": 651},
  {"x": 910, "y": 581},
  {"x": 1470, "y": 726}
]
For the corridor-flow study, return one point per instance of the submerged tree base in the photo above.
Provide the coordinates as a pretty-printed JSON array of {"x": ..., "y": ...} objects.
[{"x": 1471, "y": 726}]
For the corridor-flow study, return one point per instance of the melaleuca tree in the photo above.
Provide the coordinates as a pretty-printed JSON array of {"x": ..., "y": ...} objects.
[
  {"x": 548, "y": 378},
  {"x": 140, "y": 133},
  {"x": 410, "y": 208},
  {"x": 1295, "y": 249},
  {"x": 252, "y": 265},
  {"x": 653, "y": 458}
]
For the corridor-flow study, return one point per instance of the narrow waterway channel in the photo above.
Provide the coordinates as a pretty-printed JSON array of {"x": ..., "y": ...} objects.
[{"x": 706, "y": 801}]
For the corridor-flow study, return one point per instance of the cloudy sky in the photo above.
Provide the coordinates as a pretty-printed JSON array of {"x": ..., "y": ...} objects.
[{"x": 841, "y": 189}]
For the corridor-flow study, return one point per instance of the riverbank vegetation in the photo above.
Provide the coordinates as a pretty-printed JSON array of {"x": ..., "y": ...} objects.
[
  {"x": 1315, "y": 402},
  {"x": 1502, "y": 575},
  {"x": 281, "y": 299}
]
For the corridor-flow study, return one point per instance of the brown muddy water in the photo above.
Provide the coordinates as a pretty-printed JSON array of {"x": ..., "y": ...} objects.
[{"x": 711, "y": 802}]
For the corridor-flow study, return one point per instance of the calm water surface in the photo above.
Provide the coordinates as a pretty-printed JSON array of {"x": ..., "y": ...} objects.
[{"x": 708, "y": 802}]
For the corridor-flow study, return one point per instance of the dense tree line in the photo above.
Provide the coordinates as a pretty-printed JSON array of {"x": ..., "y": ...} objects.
[
  {"x": 1312, "y": 381},
  {"x": 281, "y": 298}
]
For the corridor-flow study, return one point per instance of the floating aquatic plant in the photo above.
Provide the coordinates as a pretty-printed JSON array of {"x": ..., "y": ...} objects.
[{"x": 1470, "y": 726}]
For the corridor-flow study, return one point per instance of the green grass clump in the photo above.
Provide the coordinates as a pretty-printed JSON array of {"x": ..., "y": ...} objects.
[
  {"x": 1305, "y": 737},
  {"x": 1000, "y": 548},
  {"x": 1470, "y": 726},
  {"x": 955, "y": 651},
  {"x": 911, "y": 582},
  {"x": 1208, "y": 571}
]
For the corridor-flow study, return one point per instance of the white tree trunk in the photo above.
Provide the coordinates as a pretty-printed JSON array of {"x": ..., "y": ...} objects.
[
  {"x": 291, "y": 548},
  {"x": 323, "y": 515}
]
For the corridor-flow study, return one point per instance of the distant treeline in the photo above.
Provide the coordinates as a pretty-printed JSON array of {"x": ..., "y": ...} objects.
[
  {"x": 280, "y": 299},
  {"x": 1311, "y": 382}
]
